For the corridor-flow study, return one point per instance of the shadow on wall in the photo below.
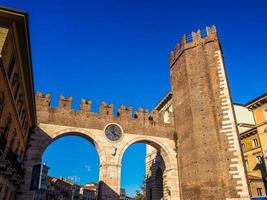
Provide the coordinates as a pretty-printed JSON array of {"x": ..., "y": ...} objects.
[
  {"x": 38, "y": 141},
  {"x": 106, "y": 193},
  {"x": 154, "y": 188},
  {"x": 262, "y": 168}
]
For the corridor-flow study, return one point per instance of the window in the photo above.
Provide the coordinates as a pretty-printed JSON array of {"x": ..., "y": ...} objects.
[
  {"x": 255, "y": 143},
  {"x": 247, "y": 165},
  {"x": 243, "y": 147},
  {"x": 2, "y": 100},
  {"x": 259, "y": 159},
  {"x": 166, "y": 117},
  {"x": 259, "y": 191}
]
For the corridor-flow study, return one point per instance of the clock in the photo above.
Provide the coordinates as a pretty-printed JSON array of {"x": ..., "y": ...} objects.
[{"x": 113, "y": 132}]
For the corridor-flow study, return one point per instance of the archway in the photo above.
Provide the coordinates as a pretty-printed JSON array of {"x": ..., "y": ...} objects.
[
  {"x": 73, "y": 162},
  {"x": 161, "y": 177},
  {"x": 158, "y": 184},
  {"x": 41, "y": 138},
  {"x": 133, "y": 170},
  {"x": 110, "y": 156}
]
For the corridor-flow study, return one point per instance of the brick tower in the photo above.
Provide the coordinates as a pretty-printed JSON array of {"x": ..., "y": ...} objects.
[{"x": 209, "y": 157}]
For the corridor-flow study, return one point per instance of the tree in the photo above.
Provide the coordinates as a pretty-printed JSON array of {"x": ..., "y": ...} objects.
[{"x": 141, "y": 194}]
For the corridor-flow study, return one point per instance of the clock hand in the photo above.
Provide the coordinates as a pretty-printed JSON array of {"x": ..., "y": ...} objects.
[{"x": 115, "y": 133}]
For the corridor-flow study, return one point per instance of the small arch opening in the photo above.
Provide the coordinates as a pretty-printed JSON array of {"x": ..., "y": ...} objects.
[
  {"x": 73, "y": 160},
  {"x": 143, "y": 172}
]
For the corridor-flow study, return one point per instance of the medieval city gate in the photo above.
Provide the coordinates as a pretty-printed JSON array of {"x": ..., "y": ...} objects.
[
  {"x": 208, "y": 162},
  {"x": 58, "y": 122}
]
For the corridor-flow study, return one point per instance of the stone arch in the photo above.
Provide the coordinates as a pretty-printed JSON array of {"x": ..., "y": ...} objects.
[
  {"x": 44, "y": 135},
  {"x": 81, "y": 133},
  {"x": 165, "y": 152},
  {"x": 169, "y": 157}
]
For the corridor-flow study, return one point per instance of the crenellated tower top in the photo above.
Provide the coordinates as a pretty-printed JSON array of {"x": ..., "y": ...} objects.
[{"x": 201, "y": 36}]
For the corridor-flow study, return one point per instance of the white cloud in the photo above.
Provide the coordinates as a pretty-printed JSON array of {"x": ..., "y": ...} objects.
[
  {"x": 88, "y": 168},
  {"x": 75, "y": 179}
]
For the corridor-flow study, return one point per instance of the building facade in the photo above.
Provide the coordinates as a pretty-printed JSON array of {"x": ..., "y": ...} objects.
[
  {"x": 17, "y": 108},
  {"x": 195, "y": 148},
  {"x": 251, "y": 121},
  {"x": 252, "y": 124},
  {"x": 89, "y": 191},
  {"x": 61, "y": 188}
]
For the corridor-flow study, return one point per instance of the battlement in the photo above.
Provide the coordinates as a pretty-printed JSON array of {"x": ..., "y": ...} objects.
[
  {"x": 201, "y": 36},
  {"x": 64, "y": 112}
]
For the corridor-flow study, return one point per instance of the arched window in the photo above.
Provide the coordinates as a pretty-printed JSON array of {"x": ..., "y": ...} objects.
[{"x": 2, "y": 101}]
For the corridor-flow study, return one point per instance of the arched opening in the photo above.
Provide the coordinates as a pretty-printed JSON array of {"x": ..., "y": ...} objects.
[
  {"x": 143, "y": 172},
  {"x": 155, "y": 175},
  {"x": 159, "y": 184},
  {"x": 73, "y": 160}
]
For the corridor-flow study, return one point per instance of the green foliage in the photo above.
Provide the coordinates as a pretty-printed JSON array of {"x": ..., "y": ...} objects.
[
  {"x": 175, "y": 136},
  {"x": 175, "y": 139},
  {"x": 141, "y": 194}
]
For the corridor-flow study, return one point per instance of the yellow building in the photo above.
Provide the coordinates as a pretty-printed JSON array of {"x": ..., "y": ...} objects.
[{"x": 252, "y": 124}]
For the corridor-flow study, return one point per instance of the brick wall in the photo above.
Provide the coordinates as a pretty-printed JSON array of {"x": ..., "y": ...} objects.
[{"x": 210, "y": 162}]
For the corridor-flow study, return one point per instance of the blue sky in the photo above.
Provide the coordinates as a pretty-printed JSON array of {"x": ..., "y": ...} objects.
[{"x": 117, "y": 51}]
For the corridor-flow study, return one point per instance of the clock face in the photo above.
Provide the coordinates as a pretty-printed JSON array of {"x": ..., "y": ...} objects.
[{"x": 113, "y": 132}]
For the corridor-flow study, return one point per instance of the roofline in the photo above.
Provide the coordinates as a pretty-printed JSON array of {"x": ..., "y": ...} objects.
[
  {"x": 238, "y": 104},
  {"x": 162, "y": 100},
  {"x": 14, "y": 11},
  {"x": 17, "y": 15},
  {"x": 257, "y": 99}
]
